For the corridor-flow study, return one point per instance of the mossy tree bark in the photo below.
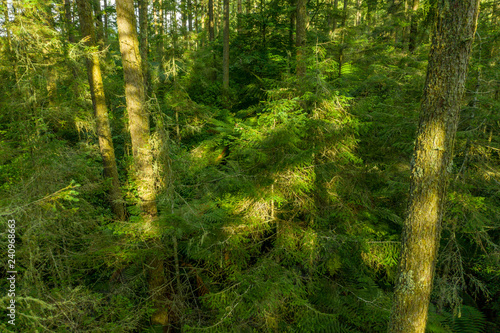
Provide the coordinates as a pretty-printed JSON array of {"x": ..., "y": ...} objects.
[
  {"x": 143, "y": 26},
  {"x": 432, "y": 162},
  {"x": 225, "y": 55},
  {"x": 136, "y": 106},
  {"x": 211, "y": 32},
  {"x": 103, "y": 128},
  {"x": 413, "y": 26},
  {"x": 139, "y": 133},
  {"x": 300, "y": 37}
]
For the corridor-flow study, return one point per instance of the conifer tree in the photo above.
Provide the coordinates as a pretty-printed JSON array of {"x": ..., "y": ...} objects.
[
  {"x": 103, "y": 128},
  {"x": 432, "y": 162}
]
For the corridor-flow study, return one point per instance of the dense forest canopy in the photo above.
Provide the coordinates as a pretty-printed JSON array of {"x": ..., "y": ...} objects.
[{"x": 250, "y": 166}]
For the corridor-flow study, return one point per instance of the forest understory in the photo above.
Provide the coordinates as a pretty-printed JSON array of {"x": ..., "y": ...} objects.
[{"x": 249, "y": 166}]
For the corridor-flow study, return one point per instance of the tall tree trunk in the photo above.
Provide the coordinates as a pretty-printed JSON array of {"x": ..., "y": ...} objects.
[
  {"x": 103, "y": 128},
  {"x": 239, "y": 13},
  {"x": 136, "y": 105},
  {"x": 413, "y": 26},
  {"x": 433, "y": 155},
  {"x": 211, "y": 32},
  {"x": 335, "y": 14},
  {"x": 68, "y": 24},
  {"x": 139, "y": 133},
  {"x": 358, "y": 12},
  {"x": 183, "y": 18},
  {"x": 105, "y": 17},
  {"x": 190, "y": 15},
  {"x": 300, "y": 38},
  {"x": 99, "y": 22},
  {"x": 225, "y": 56},
  {"x": 143, "y": 26},
  {"x": 291, "y": 27}
]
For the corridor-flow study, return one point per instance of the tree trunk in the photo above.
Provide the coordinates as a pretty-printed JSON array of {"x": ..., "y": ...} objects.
[
  {"x": 100, "y": 26},
  {"x": 291, "y": 28},
  {"x": 239, "y": 13},
  {"x": 105, "y": 17},
  {"x": 141, "y": 150},
  {"x": 68, "y": 22},
  {"x": 358, "y": 12},
  {"x": 136, "y": 105},
  {"x": 335, "y": 14},
  {"x": 103, "y": 128},
  {"x": 211, "y": 33},
  {"x": 413, "y": 26},
  {"x": 190, "y": 15},
  {"x": 143, "y": 26},
  {"x": 183, "y": 18},
  {"x": 225, "y": 56},
  {"x": 432, "y": 161},
  {"x": 300, "y": 38}
]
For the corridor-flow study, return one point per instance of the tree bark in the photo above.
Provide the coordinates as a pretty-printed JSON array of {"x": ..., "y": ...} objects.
[
  {"x": 101, "y": 111},
  {"x": 358, "y": 12},
  {"x": 68, "y": 22},
  {"x": 100, "y": 27},
  {"x": 136, "y": 105},
  {"x": 291, "y": 28},
  {"x": 300, "y": 38},
  {"x": 141, "y": 150},
  {"x": 211, "y": 32},
  {"x": 143, "y": 26},
  {"x": 225, "y": 56},
  {"x": 413, "y": 26},
  {"x": 432, "y": 162}
]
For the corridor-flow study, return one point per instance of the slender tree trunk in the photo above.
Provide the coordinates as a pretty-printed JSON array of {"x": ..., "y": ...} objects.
[
  {"x": 300, "y": 38},
  {"x": 105, "y": 17},
  {"x": 335, "y": 15},
  {"x": 183, "y": 18},
  {"x": 190, "y": 15},
  {"x": 211, "y": 32},
  {"x": 358, "y": 12},
  {"x": 143, "y": 26},
  {"x": 136, "y": 105},
  {"x": 196, "y": 11},
  {"x": 432, "y": 161},
  {"x": 239, "y": 13},
  {"x": 413, "y": 26},
  {"x": 291, "y": 28},
  {"x": 225, "y": 56},
  {"x": 100, "y": 26},
  {"x": 103, "y": 128},
  {"x": 139, "y": 133},
  {"x": 68, "y": 22},
  {"x": 342, "y": 46}
]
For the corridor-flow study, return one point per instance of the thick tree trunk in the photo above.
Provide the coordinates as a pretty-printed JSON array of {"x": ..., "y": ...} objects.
[
  {"x": 103, "y": 128},
  {"x": 432, "y": 161},
  {"x": 300, "y": 38},
  {"x": 413, "y": 26},
  {"x": 225, "y": 56}
]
